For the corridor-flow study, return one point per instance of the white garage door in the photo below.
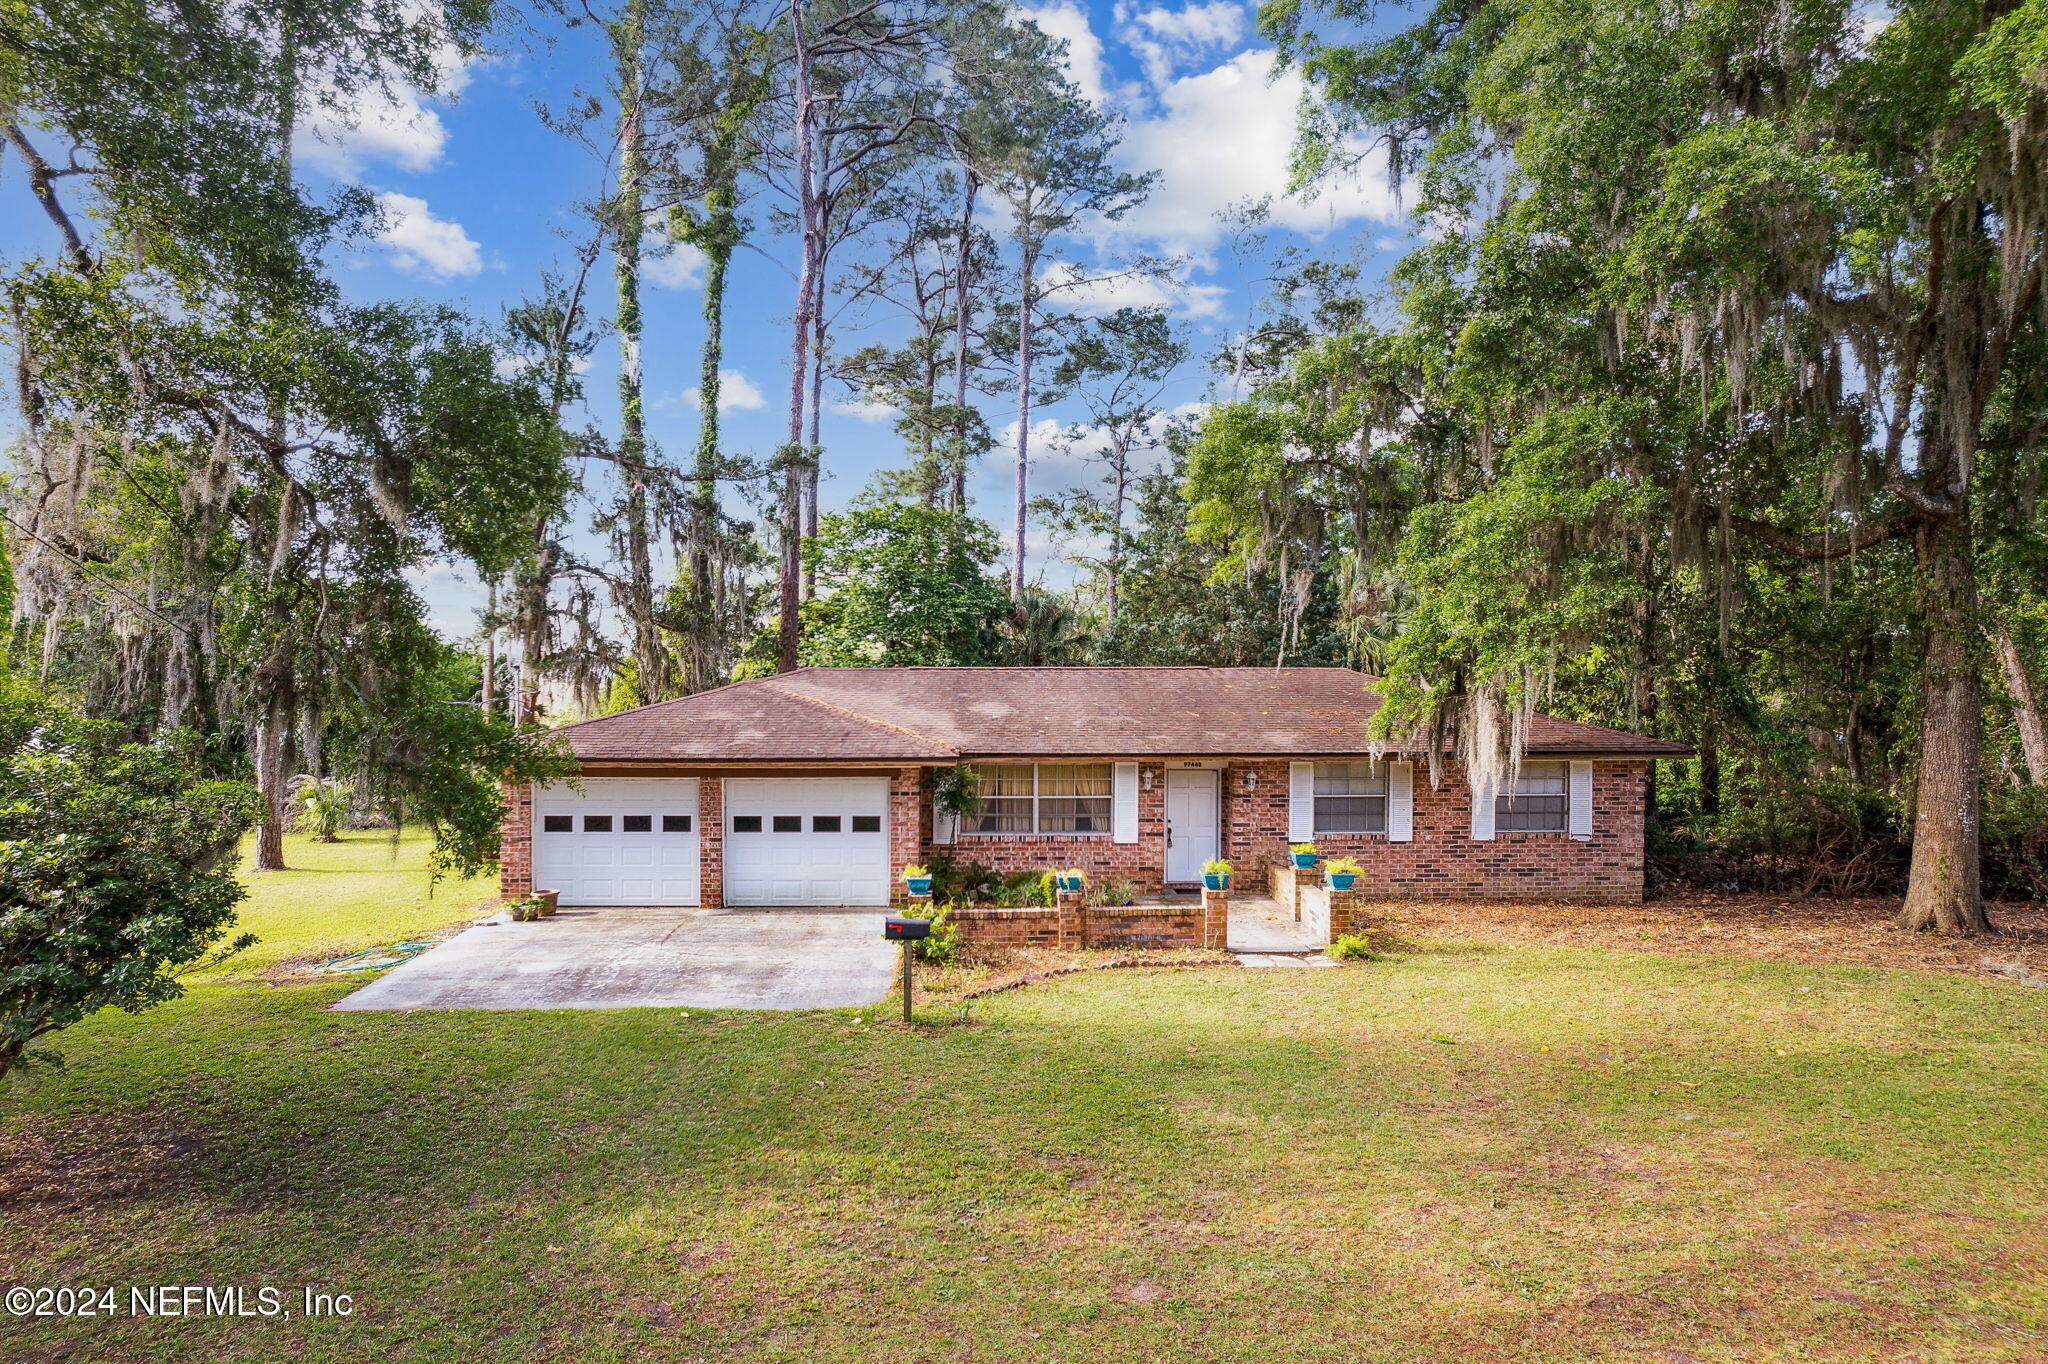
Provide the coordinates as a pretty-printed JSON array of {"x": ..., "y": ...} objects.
[
  {"x": 807, "y": 841},
  {"x": 619, "y": 841}
]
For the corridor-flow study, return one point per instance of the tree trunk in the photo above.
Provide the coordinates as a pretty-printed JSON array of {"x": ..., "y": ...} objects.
[
  {"x": 814, "y": 446},
  {"x": 2025, "y": 708},
  {"x": 1943, "y": 887},
  {"x": 1113, "y": 567},
  {"x": 1710, "y": 775},
  {"x": 788, "y": 626},
  {"x": 705, "y": 663},
  {"x": 961, "y": 307},
  {"x": 270, "y": 775},
  {"x": 487, "y": 694},
  {"x": 1026, "y": 280},
  {"x": 649, "y": 660}
]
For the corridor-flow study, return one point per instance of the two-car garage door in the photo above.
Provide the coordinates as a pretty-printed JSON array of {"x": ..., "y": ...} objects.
[{"x": 788, "y": 841}]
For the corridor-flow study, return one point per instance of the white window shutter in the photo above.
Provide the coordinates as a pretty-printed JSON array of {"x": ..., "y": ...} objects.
[
  {"x": 1301, "y": 802},
  {"x": 945, "y": 826},
  {"x": 1124, "y": 806},
  {"x": 1482, "y": 814},
  {"x": 1400, "y": 802},
  {"x": 1581, "y": 787}
]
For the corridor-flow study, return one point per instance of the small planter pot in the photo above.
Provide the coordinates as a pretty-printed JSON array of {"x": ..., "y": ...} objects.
[
  {"x": 1070, "y": 884},
  {"x": 549, "y": 899},
  {"x": 1303, "y": 861},
  {"x": 1341, "y": 880},
  {"x": 523, "y": 911},
  {"x": 918, "y": 885},
  {"x": 1215, "y": 880}
]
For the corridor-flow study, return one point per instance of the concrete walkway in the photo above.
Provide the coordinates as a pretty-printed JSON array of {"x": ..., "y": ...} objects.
[
  {"x": 1258, "y": 926},
  {"x": 650, "y": 958}
]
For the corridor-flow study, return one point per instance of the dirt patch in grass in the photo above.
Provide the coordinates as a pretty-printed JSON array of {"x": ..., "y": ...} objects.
[
  {"x": 93, "y": 1165},
  {"x": 1775, "y": 928}
]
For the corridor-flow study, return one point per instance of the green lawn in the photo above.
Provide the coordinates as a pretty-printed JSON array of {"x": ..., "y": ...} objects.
[{"x": 1461, "y": 1154}]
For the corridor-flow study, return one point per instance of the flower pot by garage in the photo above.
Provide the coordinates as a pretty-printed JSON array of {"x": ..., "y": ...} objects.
[
  {"x": 1303, "y": 861},
  {"x": 1070, "y": 884},
  {"x": 523, "y": 911},
  {"x": 549, "y": 899},
  {"x": 1216, "y": 881},
  {"x": 1341, "y": 880},
  {"x": 919, "y": 885}
]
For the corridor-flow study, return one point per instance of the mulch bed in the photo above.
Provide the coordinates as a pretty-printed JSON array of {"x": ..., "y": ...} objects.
[{"x": 1810, "y": 930}]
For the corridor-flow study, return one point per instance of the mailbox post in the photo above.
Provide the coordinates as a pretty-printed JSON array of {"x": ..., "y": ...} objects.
[{"x": 907, "y": 932}]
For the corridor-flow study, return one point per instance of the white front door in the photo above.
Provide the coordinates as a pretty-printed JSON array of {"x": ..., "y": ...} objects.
[
  {"x": 807, "y": 841},
  {"x": 1191, "y": 810},
  {"x": 618, "y": 841}
]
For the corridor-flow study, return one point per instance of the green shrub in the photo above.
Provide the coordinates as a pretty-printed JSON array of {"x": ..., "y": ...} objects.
[
  {"x": 115, "y": 866},
  {"x": 942, "y": 945},
  {"x": 1114, "y": 893},
  {"x": 1353, "y": 947}
]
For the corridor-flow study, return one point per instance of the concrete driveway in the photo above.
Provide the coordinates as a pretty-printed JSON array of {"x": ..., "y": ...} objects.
[{"x": 650, "y": 958}]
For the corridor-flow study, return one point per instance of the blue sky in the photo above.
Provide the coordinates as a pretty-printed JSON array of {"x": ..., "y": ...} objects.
[{"x": 480, "y": 200}]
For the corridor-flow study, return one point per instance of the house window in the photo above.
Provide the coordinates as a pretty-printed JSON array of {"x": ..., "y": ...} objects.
[
  {"x": 1538, "y": 804},
  {"x": 1351, "y": 798},
  {"x": 1043, "y": 798}
]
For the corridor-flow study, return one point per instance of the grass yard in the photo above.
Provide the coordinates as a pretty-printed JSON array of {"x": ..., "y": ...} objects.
[{"x": 1469, "y": 1152}]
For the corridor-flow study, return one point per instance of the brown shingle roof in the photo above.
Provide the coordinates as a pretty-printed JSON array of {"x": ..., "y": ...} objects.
[{"x": 948, "y": 714}]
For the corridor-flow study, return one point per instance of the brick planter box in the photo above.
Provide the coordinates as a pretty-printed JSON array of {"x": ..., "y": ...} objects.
[{"x": 1071, "y": 924}]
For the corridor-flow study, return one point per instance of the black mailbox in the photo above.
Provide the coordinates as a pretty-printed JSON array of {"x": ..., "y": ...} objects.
[{"x": 907, "y": 930}]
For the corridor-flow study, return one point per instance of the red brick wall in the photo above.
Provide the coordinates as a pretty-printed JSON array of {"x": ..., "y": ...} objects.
[
  {"x": 515, "y": 842},
  {"x": 1100, "y": 926},
  {"x": 906, "y": 829},
  {"x": 1099, "y": 856},
  {"x": 711, "y": 842},
  {"x": 1442, "y": 861}
]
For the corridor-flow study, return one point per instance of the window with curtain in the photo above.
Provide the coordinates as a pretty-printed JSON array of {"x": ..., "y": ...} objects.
[
  {"x": 1351, "y": 798},
  {"x": 1539, "y": 804},
  {"x": 1042, "y": 798}
]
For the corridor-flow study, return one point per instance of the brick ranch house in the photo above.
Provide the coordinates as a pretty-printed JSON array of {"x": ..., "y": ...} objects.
[{"x": 812, "y": 788}]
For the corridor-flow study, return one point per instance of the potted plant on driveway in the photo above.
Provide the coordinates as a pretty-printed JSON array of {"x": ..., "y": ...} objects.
[
  {"x": 1342, "y": 871},
  {"x": 1304, "y": 855},
  {"x": 917, "y": 878},
  {"x": 1216, "y": 874}
]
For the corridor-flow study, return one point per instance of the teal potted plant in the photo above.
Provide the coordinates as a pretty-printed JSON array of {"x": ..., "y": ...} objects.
[
  {"x": 1070, "y": 881},
  {"x": 1342, "y": 871},
  {"x": 918, "y": 878},
  {"x": 1304, "y": 855},
  {"x": 1216, "y": 874}
]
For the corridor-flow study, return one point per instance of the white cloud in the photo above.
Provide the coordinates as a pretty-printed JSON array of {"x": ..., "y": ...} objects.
[
  {"x": 339, "y": 132},
  {"x": 671, "y": 265},
  {"x": 1223, "y": 137},
  {"x": 1103, "y": 292},
  {"x": 736, "y": 393},
  {"x": 1069, "y": 22},
  {"x": 1164, "y": 39},
  {"x": 421, "y": 244},
  {"x": 862, "y": 410}
]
